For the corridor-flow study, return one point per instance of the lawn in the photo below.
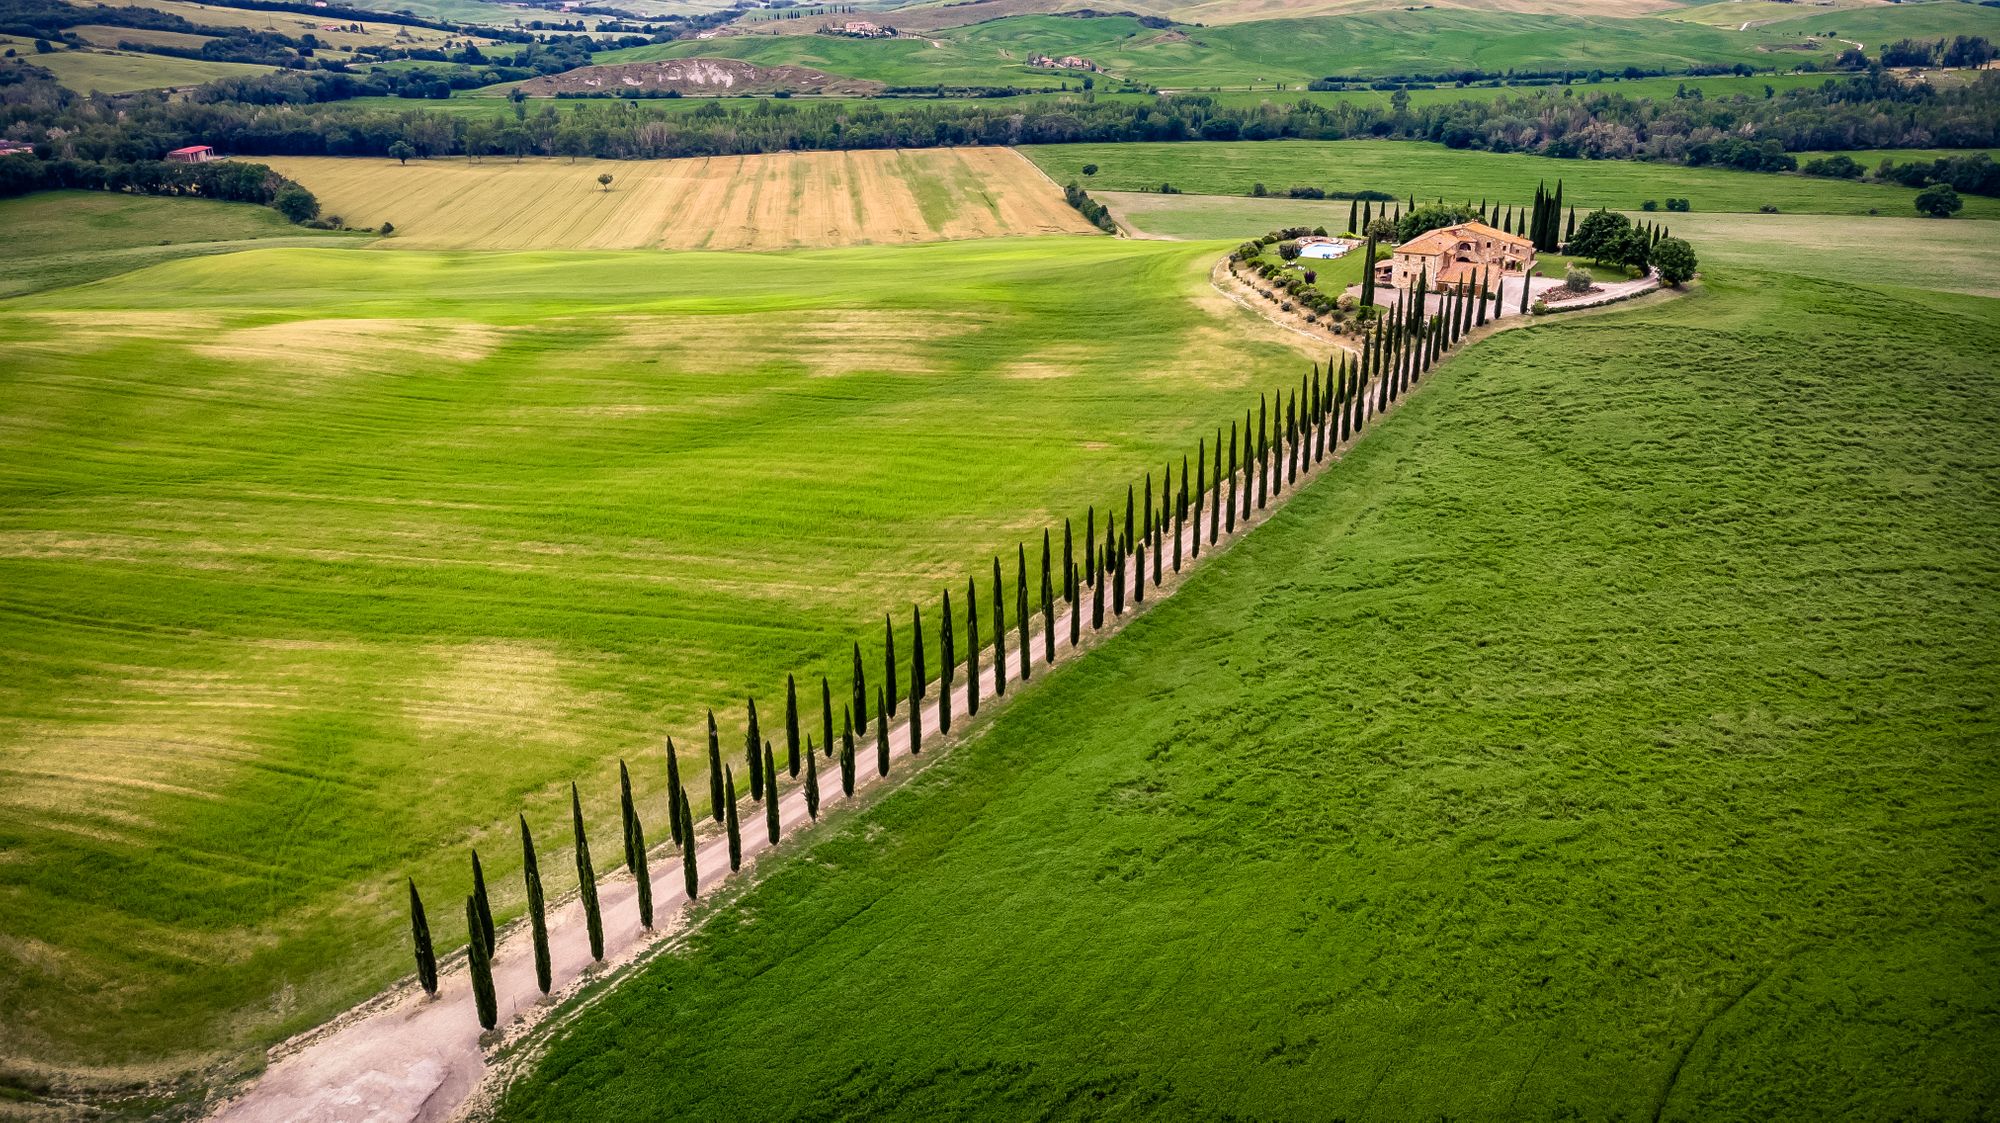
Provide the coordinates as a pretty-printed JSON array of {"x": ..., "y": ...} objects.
[
  {"x": 1403, "y": 167},
  {"x": 1610, "y": 737},
  {"x": 57, "y": 238},
  {"x": 320, "y": 565}
]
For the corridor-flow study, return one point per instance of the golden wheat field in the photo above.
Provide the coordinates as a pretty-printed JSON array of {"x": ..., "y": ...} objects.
[{"x": 768, "y": 202}]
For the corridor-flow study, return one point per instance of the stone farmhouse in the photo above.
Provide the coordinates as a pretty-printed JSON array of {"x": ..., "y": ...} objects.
[
  {"x": 1464, "y": 252},
  {"x": 1067, "y": 62}
]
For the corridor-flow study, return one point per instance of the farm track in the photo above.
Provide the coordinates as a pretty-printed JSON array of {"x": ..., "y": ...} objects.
[{"x": 404, "y": 1057}]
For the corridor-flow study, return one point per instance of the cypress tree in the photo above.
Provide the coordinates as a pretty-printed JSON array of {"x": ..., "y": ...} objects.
[
  {"x": 1200, "y": 490},
  {"x": 1075, "y": 612},
  {"x": 1069, "y": 563},
  {"x": 1571, "y": 232},
  {"x": 1090, "y": 543},
  {"x": 791, "y": 725},
  {"x": 1313, "y": 410},
  {"x": 881, "y": 739},
  {"x": 1180, "y": 514},
  {"x": 625, "y": 814},
  {"x": 1524, "y": 293},
  {"x": 586, "y": 878},
  {"x": 1249, "y": 466},
  {"x": 753, "y": 747},
  {"x": 1351, "y": 213},
  {"x": 1147, "y": 524},
  {"x": 1555, "y": 213},
  {"x": 859, "y": 704},
  {"x": 1368, "y": 275},
  {"x": 640, "y": 873},
  {"x": 999, "y": 635},
  {"x": 1096, "y": 596},
  {"x": 1292, "y": 438},
  {"x": 1048, "y": 611},
  {"x": 771, "y": 797},
  {"x": 673, "y": 786},
  {"x": 888, "y": 695},
  {"x": 812, "y": 784},
  {"x": 971, "y": 649},
  {"x": 916, "y": 683},
  {"x": 1159, "y": 532},
  {"x": 714, "y": 767},
  {"x": 690, "y": 863},
  {"x": 947, "y": 667},
  {"x": 1125, "y": 543},
  {"x": 479, "y": 898},
  {"x": 1535, "y": 216},
  {"x": 420, "y": 940},
  {"x": 1367, "y": 216},
  {"x": 1115, "y": 565},
  {"x": 538, "y": 916},
  {"x": 1229, "y": 516},
  {"x": 479, "y": 957},
  {"x": 735, "y": 831},
  {"x": 1263, "y": 455},
  {"x": 847, "y": 754},
  {"x": 1139, "y": 574},
  {"x": 1021, "y": 606},
  {"x": 826, "y": 716},
  {"x": 1484, "y": 277}
]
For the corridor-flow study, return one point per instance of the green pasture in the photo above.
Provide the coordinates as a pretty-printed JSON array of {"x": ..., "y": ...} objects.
[
  {"x": 318, "y": 566},
  {"x": 1431, "y": 170},
  {"x": 118, "y": 72},
  {"x": 1609, "y": 737},
  {"x": 57, "y": 238}
]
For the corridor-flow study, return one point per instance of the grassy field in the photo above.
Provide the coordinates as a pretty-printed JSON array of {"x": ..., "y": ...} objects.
[
  {"x": 737, "y": 202},
  {"x": 318, "y": 566},
  {"x": 296, "y": 24},
  {"x": 57, "y": 238},
  {"x": 101, "y": 35},
  {"x": 1611, "y": 737},
  {"x": 1402, "y": 167},
  {"x": 118, "y": 72}
]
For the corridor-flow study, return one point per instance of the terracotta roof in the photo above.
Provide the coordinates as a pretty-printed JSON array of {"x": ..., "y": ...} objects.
[
  {"x": 192, "y": 148},
  {"x": 1443, "y": 239}
]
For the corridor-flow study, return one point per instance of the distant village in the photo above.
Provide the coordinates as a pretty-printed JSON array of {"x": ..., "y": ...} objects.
[{"x": 1067, "y": 62}]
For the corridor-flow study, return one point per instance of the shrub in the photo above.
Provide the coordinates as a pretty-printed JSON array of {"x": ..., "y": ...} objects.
[
  {"x": 1577, "y": 280},
  {"x": 1288, "y": 250},
  {"x": 1650, "y": 205},
  {"x": 1768, "y": 208},
  {"x": 1541, "y": 308},
  {"x": 295, "y": 203},
  {"x": 1677, "y": 204},
  {"x": 1258, "y": 190},
  {"x": 1090, "y": 169}
]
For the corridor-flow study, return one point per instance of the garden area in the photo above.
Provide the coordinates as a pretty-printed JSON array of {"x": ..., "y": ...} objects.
[{"x": 1312, "y": 286}]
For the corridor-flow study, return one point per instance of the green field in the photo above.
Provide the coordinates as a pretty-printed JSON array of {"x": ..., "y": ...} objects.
[
  {"x": 1402, "y": 167},
  {"x": 117, "y": 72},
  {"x": 1294, "y": 51},
  {"x": 1610, "y": 737},
  {"x": 319, "y": 565},
  {"x": 57, "y": 238}
]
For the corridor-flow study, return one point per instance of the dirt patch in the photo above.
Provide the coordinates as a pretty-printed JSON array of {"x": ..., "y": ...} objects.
[
  {"x": 713, "y": 76},
  {"x": 311, "y": 348}
]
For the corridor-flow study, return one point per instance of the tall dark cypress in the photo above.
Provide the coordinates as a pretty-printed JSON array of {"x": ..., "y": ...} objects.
[
  {"x": 1139, "y": 573},
  {"x": 1075, "y": 610},
  {"x": 479, "y": 958},
  {"x": 859, "y": 704},
  {"x": 753, "y": 748},
  {"x": 825, "y": 716},
  {"x": 538, "y": 914},
  {"x": 714, "y": 768},
  {"x": 947, "y": 667},
  {"x": 1200, "y": 490},
  {"x": 812, "y": 784},
  {"x": 1160, "y": 521},
  {"x": 642, "y": 876},
  {"x": 1096, "y": 596},
  {"x": 735, "y": 831},
  {"x": 1090, "y": 543},
  {"x": 971, "y": 649},
  {"x": 1524, "y": 294},
  {"x": 1116, "y": 565},
  {"x": 586, "y": 878},
  {"x": 1290, "y": 474},
  {"x": 1125, "y": 543},
  {"x": 1048, "y": 610},
  {"x": 771, "y": 796},
  {"x": 1555, "y": 215},
  {"x": 1368, "y": 274},
  {"x": 479, "y": 897},
  {"x": 1180, "y": 514},
  {"x": 889, "y": 676},
  {"x": 1069, "y": 563},
  {"x": 1479, "y": 317},
  {"x": 1229, "y": 510},
  {"x": 881, "y": 738},
  {"x": 625, "y": 813},
  {"x": 847, "y": 754},
  {"x": 1352, "y": 217},
  {"x": 916, "y": 682},
  {"x": 1263, "y": 454},
  {"x": 999, "y": 635},
  {"x": 1572, "y": 224},
  {"x": 420, "y": 941},
  {"x": 1249, "y": 465},
  {"x": 690, "y": 861},
  {"x": 1021, "y": 606},
  {"x": 791, "y": 725},
  {"x": 674, "y": 785}
]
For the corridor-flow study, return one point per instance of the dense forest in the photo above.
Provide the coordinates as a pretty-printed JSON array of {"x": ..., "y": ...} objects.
[{"x": 282, "y": 114}]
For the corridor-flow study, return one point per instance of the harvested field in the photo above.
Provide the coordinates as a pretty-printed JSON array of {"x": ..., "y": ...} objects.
[
  {"x": 777, "y": 201},
  {"x": 340, "y": 34}
]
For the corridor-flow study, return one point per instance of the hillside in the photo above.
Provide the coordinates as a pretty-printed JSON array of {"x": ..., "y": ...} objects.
[{"x": 700, "y": 76}]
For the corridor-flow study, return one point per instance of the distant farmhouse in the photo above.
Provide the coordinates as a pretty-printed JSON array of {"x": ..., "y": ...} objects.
[
  {"x": 860, "y": 29},
  {"x": 1464, "y": 252},
  {"x": 1067, "y": 62},
  {"x": 192, "y": 154}
]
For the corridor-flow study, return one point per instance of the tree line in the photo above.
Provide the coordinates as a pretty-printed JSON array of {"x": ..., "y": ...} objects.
[{"x": 987, "y": 642}]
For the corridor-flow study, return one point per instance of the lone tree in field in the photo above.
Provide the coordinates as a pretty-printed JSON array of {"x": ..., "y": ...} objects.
[
  {"x": 735, "y": 833},
  {"x": 479, "y": 958},
  {"x": 401, "y": 152},
  {"x": 604, "y": 180},
  {"x": 538, "y": 917},
  {"x": 479, "y": 897},
  {"x": 586, "y": 878},
  {"x": 420, "y": 937},
  {"x": 771, "y": 795},
  {"x": 1939, "y": 200}
]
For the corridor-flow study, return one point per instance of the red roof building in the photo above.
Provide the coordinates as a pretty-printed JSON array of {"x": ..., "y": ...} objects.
[{"x": 192, "y": 154}]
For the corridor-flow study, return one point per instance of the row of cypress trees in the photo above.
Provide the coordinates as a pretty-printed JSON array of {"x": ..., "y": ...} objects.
[{"x": 1294, "y": 430}]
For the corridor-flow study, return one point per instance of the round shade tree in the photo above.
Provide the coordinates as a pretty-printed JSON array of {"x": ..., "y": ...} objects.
[
  {"x": 1674, "y": 258},
  {"x": 1939, "y": 200}
]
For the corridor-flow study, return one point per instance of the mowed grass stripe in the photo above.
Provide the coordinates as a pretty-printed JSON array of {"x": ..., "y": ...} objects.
[{"x": 776, "y": 201}]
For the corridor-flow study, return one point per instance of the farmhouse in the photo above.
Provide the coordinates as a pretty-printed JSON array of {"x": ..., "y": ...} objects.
[
  {"x": 192, "y": 154},
  {"x": 1067, "y": 62},
  {"x": 862, "y": 29},
  {"x": 1459, "y": 253}
]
